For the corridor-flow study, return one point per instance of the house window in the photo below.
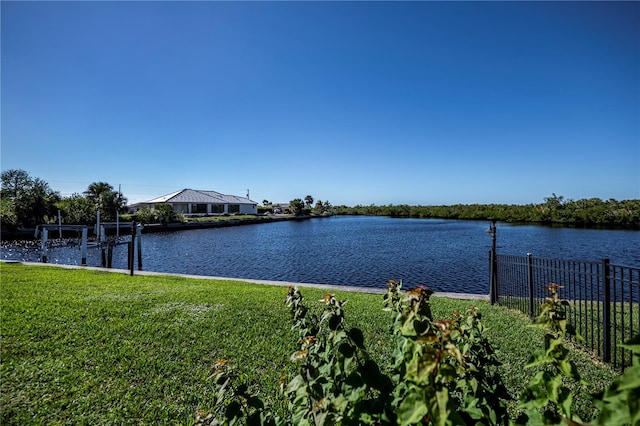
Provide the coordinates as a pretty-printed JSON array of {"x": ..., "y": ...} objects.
[
  {"x": 217, "y": 208},
  {"x": 198, "y": 208},
  {"x": 181, "y": 208},
  {"x": 234, "y": 208}
]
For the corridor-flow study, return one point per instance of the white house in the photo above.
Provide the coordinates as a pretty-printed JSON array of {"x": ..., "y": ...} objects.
[{"x": 200, "y": 203}]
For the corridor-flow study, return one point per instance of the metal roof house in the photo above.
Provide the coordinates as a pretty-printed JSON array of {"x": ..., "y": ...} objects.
[{"x": 200, "y": 203}]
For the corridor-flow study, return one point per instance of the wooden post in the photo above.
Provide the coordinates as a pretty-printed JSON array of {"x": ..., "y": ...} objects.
[
  {"x": 43, "y": 246},
  {"x": 102, "y": 245},
  {"x": 59, "y": 224},
  {"x": 109, "y": 255},
  {"x": 84, "y": 246},
  {"x": 98, "y": 224},
  {"x": 139, "y": 242}
]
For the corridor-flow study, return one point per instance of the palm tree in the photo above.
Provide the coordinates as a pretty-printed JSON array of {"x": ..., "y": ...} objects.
[
  {"x": 105, "y": 199},
  {"x": 96, "y": 191}
]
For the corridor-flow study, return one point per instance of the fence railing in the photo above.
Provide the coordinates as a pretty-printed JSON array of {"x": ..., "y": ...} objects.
[{"x": 604, "y": 298}]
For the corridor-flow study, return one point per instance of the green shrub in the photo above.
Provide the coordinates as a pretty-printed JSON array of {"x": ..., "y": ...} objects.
[
  {"x": 145, "y": 215},
  {"x": 620, "y": 403},
  {"x": 445, "y": 372},
  {"x": 547, "y": 400},
  {"x": 162, "y": 213},
  {"x": 439, "y": 366}
]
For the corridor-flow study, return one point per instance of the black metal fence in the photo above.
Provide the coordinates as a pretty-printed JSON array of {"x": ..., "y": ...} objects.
[{"x": 604, "y": 298}]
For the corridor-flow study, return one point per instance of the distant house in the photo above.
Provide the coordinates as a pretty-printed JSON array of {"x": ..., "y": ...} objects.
[
  {"x": 281, "y": 208},
  {"x": 191, "y": 202}
]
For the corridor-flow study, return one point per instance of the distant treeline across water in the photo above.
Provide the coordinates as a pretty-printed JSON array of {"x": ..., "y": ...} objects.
[{"x": 588, "y": 213}]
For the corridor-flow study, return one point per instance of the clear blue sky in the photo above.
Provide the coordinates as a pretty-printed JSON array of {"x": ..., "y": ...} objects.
[{"x": 350, "y": 102}]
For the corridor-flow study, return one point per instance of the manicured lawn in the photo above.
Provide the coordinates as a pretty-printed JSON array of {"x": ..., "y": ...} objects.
[{"x": 93, "y": 347}]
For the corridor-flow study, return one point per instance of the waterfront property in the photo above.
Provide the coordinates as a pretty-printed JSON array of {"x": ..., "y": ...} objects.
[{"x": 193, "y": 202}]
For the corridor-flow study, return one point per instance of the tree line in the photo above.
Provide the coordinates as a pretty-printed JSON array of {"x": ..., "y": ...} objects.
[
  {"x": 591, "y": 212},
  {"x": 27, "y": 201},
  {"x": 299, "y": 207}
]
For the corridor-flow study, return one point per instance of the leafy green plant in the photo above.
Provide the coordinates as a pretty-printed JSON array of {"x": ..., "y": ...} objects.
[
  {"x": 233, "y": 403},
  {"x": 145, "y": 215},
  {"x": 620, "y": 403},
  {"x": 164, "y": 214},
  {"x": 438, "y": 371},
  {"x": 482, "y": 394},
  {"x": 547, "y": 400},
  {"x": 444, "y": 371},
  {"x": 337, "y": 380}
]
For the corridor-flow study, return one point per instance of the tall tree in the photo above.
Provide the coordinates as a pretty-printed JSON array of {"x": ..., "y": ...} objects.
[
  {"x": 308, "y": 200},
  {"x": 32, "y": 200},
  {"x": 8, "y": 216},
  {"x": 14, "y": 182},
  {"x": 77, "y": 210},
  {"x": 296, "y": 207}
]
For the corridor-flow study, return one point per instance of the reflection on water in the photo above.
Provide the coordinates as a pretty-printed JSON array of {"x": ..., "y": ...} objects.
[{"x": 445, "y": 255}]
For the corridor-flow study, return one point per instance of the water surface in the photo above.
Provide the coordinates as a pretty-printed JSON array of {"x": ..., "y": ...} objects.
[{"x": 446, "y": 255}]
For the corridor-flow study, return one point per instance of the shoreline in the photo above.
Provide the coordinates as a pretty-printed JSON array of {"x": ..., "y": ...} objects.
[
  {"x": 29, "y": 233},
  {"x": 181, "y": 226},
  {"x": 333, "y": 287}
]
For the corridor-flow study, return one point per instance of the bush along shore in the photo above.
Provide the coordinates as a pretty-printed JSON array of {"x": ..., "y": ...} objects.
[
  {"x": 556, "y": 210},
  {"x": 87, "y": 347}
]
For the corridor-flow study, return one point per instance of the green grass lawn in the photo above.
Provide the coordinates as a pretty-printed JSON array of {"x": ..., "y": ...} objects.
[{"x": 93, "y": 347}]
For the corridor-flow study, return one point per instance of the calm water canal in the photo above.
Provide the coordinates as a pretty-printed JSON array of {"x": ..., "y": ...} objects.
[{"x": 446, "y": 255}]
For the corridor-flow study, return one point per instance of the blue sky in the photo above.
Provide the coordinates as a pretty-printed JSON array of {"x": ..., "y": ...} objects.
[{"x": 351, "y": 102}]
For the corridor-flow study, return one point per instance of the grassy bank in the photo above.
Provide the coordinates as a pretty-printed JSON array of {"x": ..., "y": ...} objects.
[
  {"x": 93, "y": 347},
  {"x": 227, "y": 218}
]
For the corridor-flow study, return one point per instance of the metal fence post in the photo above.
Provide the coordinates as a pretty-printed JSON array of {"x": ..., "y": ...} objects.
[
  {"x": 492, "y": 292},
  {"x": 606, "y": 311},
  {"x": 493, "y": 265},
  {"x": 530, "y": 282}
]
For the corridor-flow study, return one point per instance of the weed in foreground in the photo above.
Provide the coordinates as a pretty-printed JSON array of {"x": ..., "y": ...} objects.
[{"x": 445, "y": 372}]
